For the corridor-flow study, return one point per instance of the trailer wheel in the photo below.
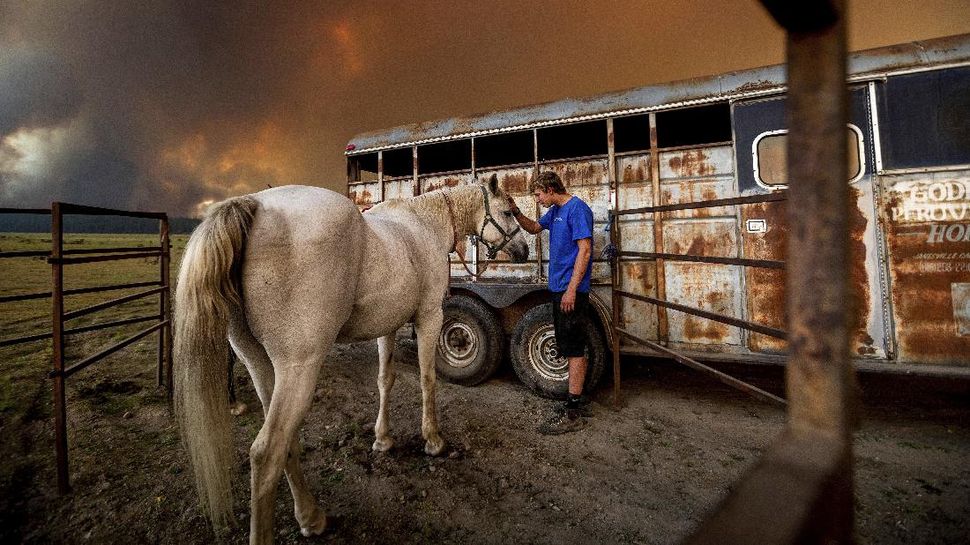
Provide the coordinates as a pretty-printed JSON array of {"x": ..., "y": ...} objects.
[
  {"x": 470, "y": 345},
  {"x": 537, "y": 362}
]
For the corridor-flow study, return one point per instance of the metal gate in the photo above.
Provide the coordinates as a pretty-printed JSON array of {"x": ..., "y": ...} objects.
[
  {"x": 662, "y": 304},
  {"x": 58, "y": 258}
]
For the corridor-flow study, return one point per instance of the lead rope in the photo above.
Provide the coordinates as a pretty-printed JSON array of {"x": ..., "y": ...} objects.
[{"x": 454, "y": 246}]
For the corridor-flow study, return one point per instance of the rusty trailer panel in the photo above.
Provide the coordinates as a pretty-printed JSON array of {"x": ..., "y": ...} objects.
[
  {"x": 636, "y": 195},
  {"x": 708, "y": 287},
  {"x": 363, "y": 195},
  {"x": 928, "y": 218},
  {"x": 697, "y": 175},
  {"x": 638, "y": 317},
  {"x": 575, "y": 174},
  {"x": 439, "y": 181},
  {"x": 514, "y": 181},
  {"x": 714, "y": 238},
  {"x": 398, "y": 188},
  {"x": 697, "y": 162},
  {"x": 633, "y": 169},
  {"x": 764, "y": 235},
  {"x": 698, "y": 190}
]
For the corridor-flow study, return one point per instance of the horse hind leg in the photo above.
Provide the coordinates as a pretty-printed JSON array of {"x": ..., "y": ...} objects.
[
  {"x": 429, "y": 329},
  {"x": 309, "y": 515},
  {"x": 385, "y": 381}
]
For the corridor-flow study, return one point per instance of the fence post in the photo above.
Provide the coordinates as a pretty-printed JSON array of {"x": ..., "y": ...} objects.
[
  {"x": 57, "y": 330},
  {"x": 820, "y": 377},
  {"x": 165, "y": 310}
]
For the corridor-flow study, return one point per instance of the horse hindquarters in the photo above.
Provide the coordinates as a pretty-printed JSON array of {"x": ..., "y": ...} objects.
[
  {"x": 207, "y": 295},
  {"x": 302, "y": 264}
]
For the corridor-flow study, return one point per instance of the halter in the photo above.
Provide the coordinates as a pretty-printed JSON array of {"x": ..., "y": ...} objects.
[{"x": 494, "y": 249}]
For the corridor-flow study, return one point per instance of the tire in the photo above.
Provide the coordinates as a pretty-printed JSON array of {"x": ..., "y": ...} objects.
[
  {"x": 536, "y": 363},
  {"x": 470, "y": 346}
]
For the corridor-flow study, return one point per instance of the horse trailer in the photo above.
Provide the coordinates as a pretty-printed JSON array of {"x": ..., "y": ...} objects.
[{"x": 647, "y": 159}]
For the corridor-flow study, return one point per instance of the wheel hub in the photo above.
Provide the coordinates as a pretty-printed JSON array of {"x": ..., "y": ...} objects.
[
  {"x": 544, "y": 355},
  {"x": 458, "y": 344}
]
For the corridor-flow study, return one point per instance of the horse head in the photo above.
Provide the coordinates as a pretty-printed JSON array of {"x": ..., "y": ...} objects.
[{"x": 498, "y": 229}]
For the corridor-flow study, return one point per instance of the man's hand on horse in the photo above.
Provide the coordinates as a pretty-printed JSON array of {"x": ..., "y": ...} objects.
[{"x": 512, "y": 207}]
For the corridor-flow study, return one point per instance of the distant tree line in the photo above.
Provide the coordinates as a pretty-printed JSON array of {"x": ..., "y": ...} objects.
[{"x": 35, "y": 223}]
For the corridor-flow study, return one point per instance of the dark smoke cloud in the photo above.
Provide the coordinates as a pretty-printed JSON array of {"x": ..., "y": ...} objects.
[
  {"x": 36, "y": 89},
  {"x": 160, "y": 105},
  {"x": 155, "y": 106}
]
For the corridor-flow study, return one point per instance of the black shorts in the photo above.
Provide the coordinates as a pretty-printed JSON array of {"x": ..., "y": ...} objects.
[{"x": 570, "y": 326}]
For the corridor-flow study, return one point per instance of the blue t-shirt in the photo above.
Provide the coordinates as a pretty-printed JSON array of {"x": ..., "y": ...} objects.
[{"x": 566, "y": 224}]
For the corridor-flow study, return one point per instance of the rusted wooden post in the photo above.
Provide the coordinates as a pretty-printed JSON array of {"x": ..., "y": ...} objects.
[
  {"x": 57, "y": 331},
  {"x": 820, "y": 380},
  {"x": 801, "y": 490}
]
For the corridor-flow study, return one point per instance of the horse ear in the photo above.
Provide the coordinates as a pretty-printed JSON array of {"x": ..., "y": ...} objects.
[{"x": 493, "y": 184}]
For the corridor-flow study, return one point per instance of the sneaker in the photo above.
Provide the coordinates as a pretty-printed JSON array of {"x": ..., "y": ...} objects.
[{"x": 567, "y": 422}]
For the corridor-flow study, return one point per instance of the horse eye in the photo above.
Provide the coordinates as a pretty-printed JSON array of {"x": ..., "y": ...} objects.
[{"x": 508, "y": 213}]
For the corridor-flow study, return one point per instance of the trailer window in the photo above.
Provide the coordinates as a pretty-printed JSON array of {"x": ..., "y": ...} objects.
[
  {"x": 923, "y": 119},
  {"x": 631, "y": 133},
  {"x": 771, "y": 163},
  {"x": 694, "y": 126},
  {"x": 398, "y": 163},
  {"x": 445, "y": 157},
  {"x": 362, "y": 168},
  {"x": 574, "y": 140},
  {"x": 504, "y": 149}
]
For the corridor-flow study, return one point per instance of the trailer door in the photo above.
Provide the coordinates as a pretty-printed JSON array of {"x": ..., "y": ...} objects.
[{"x": 760, "y": 143}]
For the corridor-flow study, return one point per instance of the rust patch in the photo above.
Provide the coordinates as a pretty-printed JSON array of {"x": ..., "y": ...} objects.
[
  {"x": 698, "y": 246},
  {"x": 766, "y": 287},
  {"x": 640, "y": 275},
  {"x": 515, "y": 183},
  {"x": 638, "y": 171},
  {"x": 753, "y": 86},
  {"x": 715, "y": 299},
  {"x": 698, "y": 329},
  {"x": 447, "y": 182},
  {"x": 923, "y": 270},
  {"x": 859, "y": 279},
  {"x": 581, "y": 173},
  {"x": 362, "y": 198},
  {"x": 691, "y": 163}
]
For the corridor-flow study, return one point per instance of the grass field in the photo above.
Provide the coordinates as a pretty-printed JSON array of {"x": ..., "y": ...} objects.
[{"x": 24, "y": 366}]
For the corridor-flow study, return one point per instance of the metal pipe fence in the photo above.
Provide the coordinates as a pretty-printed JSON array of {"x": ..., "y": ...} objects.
[
  {"x": 59, "y": 258},
  {"x": 620, "y": 255}
]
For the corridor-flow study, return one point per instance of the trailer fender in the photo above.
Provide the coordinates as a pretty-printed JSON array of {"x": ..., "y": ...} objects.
[{"x": 498, "y": 295}]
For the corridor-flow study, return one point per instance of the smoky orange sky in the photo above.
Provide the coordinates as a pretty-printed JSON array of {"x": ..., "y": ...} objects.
[{"x": 170, "y": 105}]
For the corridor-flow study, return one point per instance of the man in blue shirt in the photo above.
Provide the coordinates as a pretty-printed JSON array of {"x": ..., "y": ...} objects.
[{"x": 570, "y": 224}]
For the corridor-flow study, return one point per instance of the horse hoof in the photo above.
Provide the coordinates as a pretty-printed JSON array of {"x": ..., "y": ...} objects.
[
  {"x": 238, "y": 409},
  {"x": 383, "y": 445},
  {"x": 434, "y": 447},
  {"x": 316, "y": 527}
]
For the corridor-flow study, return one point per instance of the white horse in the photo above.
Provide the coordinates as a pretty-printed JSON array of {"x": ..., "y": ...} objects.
[{"x": 284, "y": 274}]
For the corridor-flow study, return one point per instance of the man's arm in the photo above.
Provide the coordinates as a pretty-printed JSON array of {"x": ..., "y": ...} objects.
[
  {"x": 530, "y": 225},
  {"x": 579, "y": 271}
]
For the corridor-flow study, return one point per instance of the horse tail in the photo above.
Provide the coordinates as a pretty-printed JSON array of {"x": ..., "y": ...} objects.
[{"x": 207, "y": 294}]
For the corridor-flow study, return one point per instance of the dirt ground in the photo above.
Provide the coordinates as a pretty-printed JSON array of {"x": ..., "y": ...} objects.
[{"x": 648, "y": 473}]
